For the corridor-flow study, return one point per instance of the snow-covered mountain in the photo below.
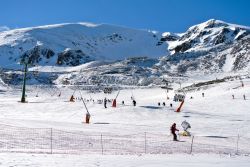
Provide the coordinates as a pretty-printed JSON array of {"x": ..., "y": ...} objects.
[
  {"x": 75, "y": 44},
  {"x": 212, "y": 46},
  {"x": 85, "y": 53}
]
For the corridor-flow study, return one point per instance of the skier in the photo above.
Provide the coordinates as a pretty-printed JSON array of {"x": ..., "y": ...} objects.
[
  {"x": 134, "y": 102},
  {"x": 159, "y": 104},
  {"x": 171, "y": 105},
  {"x": 163, "y": 103},
  {"x": 242, "y": 84},
  {"x": 244, "y": 97},
  {"x": 203, "y": 94},
  {"x": 233, "y": 96},
  {"x": 105, "y": 102},
  {"x": 122, "y": 102},
  {"x": 173, "y": 129}
]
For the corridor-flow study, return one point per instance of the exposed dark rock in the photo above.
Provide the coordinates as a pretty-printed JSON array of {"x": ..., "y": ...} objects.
[
  {"x": 72, "y": 57},
  {"x": 183, "y": 47},
  {"x": 36, "y": 54},
  {"x": 219, "y": 39}
]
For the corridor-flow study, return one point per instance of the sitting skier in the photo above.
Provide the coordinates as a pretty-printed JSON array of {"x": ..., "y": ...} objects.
[{"x": 173, "y": 129}]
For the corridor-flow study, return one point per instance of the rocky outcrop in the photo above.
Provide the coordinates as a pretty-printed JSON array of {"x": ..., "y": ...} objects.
[
  {"x": 37, "y": 54},
  {"x": 73, "y": 57}
]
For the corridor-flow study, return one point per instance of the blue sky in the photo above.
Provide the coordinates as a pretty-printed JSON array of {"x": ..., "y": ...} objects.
[{"x": 161, "y": 15}]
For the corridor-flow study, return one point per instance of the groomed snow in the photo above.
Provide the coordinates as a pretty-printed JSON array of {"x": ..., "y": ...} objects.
[
  {"x": 174, "y": 160},
  {"x": 216, "y": 114}
]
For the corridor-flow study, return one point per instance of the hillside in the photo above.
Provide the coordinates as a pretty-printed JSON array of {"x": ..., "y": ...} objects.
[
  {"x": 85, "y": 53},
  {"x": 75, "y": 44},
  {"x": 212, "y": 46}
]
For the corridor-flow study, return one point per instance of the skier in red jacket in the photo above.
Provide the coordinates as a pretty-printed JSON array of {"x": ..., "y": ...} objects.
[{"x": 173, "y": 129}]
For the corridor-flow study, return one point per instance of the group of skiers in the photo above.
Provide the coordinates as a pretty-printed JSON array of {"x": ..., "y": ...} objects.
[
  {"x": 244, "y": 96},
  {"x": 123, "y": 103}
]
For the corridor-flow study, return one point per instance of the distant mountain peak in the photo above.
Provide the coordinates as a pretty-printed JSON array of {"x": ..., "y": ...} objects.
[{"x": 104, "y": 53}]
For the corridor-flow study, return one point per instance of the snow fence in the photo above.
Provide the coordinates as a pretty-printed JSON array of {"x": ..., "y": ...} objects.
[{"x": 54, "y": 141}]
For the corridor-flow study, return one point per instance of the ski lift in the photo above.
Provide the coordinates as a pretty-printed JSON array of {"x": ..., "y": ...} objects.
[
  {"x": 167, "y": 85},
  {"x": 108, "y": 90},
  {"x": 179, "y": 97},
  {"x": 35, "y": 71}
]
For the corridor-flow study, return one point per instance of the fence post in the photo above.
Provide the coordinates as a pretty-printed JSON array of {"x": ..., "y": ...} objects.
[
  {"x": 191, "y": 150},
  {"x": 237, "y": 144},
  {"x": 51, "y": 139},
  {"x": 101, "y": 144},
  {"x": 145, "y": 142}
]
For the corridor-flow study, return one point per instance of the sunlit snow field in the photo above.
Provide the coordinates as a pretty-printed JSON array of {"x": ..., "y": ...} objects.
[{"x": 217, "y": 122}]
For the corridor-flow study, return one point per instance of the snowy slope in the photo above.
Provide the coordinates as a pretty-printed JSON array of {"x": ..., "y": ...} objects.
[
  {"x": 85, "y": 53},
  {"x": 87, "y": 41},
  {"x": 212, "y": 46},
  {"x": 44, "y": 160},
  {"x": 216, "y": 120}
]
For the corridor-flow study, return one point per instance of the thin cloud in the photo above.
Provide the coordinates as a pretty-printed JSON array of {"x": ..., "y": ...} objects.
[{"x": 4, "y": 28}]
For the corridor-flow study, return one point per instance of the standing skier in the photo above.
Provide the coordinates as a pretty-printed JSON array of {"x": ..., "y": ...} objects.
[
  {"x": 134, "y": 102},
  {"x": 105, "y": 102},
  {"x": 173, "y": 129}
]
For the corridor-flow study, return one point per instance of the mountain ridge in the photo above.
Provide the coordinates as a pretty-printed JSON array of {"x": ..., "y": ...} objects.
[{"x": 136, "y": 56}]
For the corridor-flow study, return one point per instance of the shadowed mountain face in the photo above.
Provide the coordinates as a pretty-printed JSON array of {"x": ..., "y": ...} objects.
[{"x": 90, "y": 54}]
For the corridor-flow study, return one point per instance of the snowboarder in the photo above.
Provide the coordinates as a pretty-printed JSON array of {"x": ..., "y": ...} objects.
[
  {"x": 105, "y": 102},
  {"x": 134, "y": 102},
  {"x": 173, "y": 129}
]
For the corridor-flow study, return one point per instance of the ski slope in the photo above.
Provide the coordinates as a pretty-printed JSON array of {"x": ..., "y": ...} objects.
[
  {"x": 41, "y": 160},
  {"x": 216, "y": 121}
]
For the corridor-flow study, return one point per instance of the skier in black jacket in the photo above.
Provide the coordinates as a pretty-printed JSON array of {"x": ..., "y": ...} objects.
[{"x": 173, "y": 129}]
